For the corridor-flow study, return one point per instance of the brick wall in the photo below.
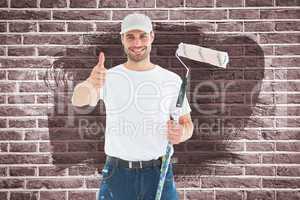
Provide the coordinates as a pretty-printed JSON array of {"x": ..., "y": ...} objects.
[{"x": 246, "y": 140}]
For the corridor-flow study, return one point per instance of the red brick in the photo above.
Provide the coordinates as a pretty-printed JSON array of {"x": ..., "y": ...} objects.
[
  {"x": 229, "y": 182},
  {"x": 200, "y": 146},
  {"x": 23, "y": 111},
  {"x": 82, "y": 195},
  {"x": 22, "y": 123},
  {"x": 10, "y": 39},
  {"x": 246, "y": 159},
  {"x": 192, "y": 27},
  {"x": 83, "y": 171},
  {"x": 24, "y": 159},
  {"x": 49, "y": 195},
  {"x": 287, "y": 26},
  {"x": 53, "y": 147},
  {"x": 198, "y": 14},
  {"x": 199, "y": 3},
  {"x": 260, "y": 194},
  {"x": 23, "y": 4},
  {"x": 229, "y": 195},
  {"x": 3, "y": 172},
  {"x": 135, "y": 4},
  {"x": 279, "y": 14},
  {"x": 108, "y": 27},
  {"x": 287, "y": 3},
  {"x": 11, "y": 183},
  {"x": 22, "y": 27},
  {"x": 280, "y": 158},
  {"x": 22, "y": 171},
  {"x": 287, "y": 50},
  {"x": 258, "y": 3},
  {"x": 24, "y": 195},
  {"x": 228, "y": 171},
  {"x": 280, "y": 183},
  {"x": 3, "y": 195},
  {"x": 154, "y": 15},
  {"x": 3, "y": 4},
  {"x": 52, "y": 27},
  {"x": 260, "y": 146},
  {"x": 53, "y": 39},
  {"x": 229, "y": 26},
  {"x": 21, "y": 99},
  {"x": 199, "y": 195},
  {"x": 25, "y": 62},
  {"x": 285, "y": 62},
  {"x": 3, "y": 27},
  {"x": 10, "y": 134},
  {"x": 7, "y": 87},
  {"x": 267, "y": 38},
  {"x": 3, "y": 147},
  {"x": 82, "y": 146},
  {"x": 25, "y": 15},
  {"x": 2, "y": 77},
  {"x": 290, "y": 195},
  {"x": 288, "y": 146},
  {"x": 82, "y": 15},
  {"x": 82, "y": 51},
  {"x": 244, "y": 14},
  {"x": 52, "y": 171},
  {"x": 18, "y": 74},
  {"x": 260, "y": 171},
  {"x": 54, "y": 183},
  {"x": 21, "y": 51},
  {"x": 82, "y": 4},
  {"x": 92, "y": 183},
  {"x": 230, "y": 146},
  {"x": 112, "y": 4},
  {"x": 23, "y": 147},
  {"x": 80, "y": 27},
  {"x": 53, "y": 4},
  {"x": 229, "y": 3},
  {"x": 288, "y": 171},
  {"x": 259, "y": 26},
  {"x": 169, "y": 3}
]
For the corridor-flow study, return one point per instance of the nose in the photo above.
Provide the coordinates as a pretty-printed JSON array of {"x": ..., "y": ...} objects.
[{"x": 137, "y": 42}]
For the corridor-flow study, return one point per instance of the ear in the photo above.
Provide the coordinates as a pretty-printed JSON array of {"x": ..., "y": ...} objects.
[
  {"x": 122, "y": 38},
  {"x": 152, "y": 36}
]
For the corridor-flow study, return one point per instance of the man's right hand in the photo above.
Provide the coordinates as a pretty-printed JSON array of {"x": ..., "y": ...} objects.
[
  {"x": 87, "y": 92},
  {"x": 98, "y": 74}
]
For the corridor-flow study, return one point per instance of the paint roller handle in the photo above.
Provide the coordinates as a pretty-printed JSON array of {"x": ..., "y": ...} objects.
[{"x": 182, "y": 91}]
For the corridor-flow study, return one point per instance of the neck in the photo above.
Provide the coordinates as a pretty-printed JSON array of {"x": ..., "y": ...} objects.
[{"x": 139, "y": 66}]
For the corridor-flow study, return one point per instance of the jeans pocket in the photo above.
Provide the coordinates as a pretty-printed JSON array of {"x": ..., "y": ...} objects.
[{"x": 108, "y": 171}]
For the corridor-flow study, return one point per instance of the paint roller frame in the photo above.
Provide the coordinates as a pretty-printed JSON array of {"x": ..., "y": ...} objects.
[{"x": 182, "y": 47}]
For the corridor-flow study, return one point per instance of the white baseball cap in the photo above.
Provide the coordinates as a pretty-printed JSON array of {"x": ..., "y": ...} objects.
[{"x": 136, "y": 21}]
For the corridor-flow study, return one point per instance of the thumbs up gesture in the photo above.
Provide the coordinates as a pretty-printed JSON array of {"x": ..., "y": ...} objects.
[{"x": 98, "y": 74}]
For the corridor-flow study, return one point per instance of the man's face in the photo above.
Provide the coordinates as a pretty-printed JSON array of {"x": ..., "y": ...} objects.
[{"x": 137, "y": 44}]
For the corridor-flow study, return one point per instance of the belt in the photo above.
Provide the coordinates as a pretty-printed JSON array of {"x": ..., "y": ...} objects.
[{"x": 134, "y": 164}]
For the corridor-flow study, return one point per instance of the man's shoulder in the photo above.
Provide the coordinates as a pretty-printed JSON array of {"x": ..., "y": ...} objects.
[{"x": 168, "y": 73}]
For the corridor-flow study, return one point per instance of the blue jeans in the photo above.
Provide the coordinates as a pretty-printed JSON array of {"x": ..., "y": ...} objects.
[{"x": 120, "y": 183}]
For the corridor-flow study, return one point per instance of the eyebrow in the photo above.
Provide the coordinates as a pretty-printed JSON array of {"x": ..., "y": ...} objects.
[{"x": 130, "y": 34}]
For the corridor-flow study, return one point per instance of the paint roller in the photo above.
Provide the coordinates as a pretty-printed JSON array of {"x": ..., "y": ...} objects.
[{"x": 197, "y": 53}]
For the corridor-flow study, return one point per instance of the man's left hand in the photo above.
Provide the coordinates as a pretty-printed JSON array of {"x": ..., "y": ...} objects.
[{"x": 174, "y": 132}]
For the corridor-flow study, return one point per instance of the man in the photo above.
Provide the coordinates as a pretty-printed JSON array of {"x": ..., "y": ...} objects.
[{"x": 139, "y": 97}]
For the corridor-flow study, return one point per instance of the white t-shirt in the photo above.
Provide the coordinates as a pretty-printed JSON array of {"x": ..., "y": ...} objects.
[{"x": 138, "y": 105}]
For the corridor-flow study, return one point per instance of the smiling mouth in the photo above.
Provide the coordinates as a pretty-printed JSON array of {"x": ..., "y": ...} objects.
[{"x": 139, "y": 51}]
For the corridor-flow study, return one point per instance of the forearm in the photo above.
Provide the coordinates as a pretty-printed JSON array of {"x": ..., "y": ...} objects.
[{"x": 188, "y": 128}]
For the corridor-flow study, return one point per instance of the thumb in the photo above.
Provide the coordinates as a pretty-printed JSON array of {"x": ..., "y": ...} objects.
[{"x": 101, "y": 59}]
